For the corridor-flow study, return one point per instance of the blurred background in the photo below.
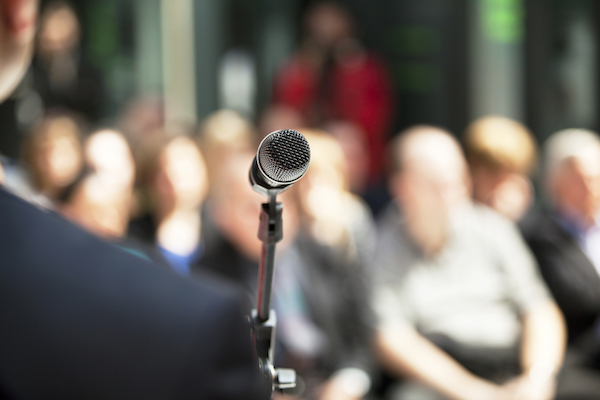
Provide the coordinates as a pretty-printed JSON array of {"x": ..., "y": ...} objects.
[
  {"x": 450, "y": 61},
  {"x": 138, "y": 120}
]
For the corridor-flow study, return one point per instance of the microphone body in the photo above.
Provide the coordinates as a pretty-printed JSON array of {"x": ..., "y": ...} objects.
[{"x": 282, "y": 158}]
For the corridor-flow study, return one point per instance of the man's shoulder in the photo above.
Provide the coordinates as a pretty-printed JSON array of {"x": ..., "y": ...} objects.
[
  {"x": 484, "y": 215},
  {"x": 484, "y": 223},
  {"x": 62, "y": 288},
  {"x": 395, "y": 252},
  {"x": 540, "y": 225},
  {"x": 35, "y": 242}
]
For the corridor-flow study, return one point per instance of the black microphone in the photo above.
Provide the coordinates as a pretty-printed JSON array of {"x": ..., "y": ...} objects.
[{"x": 282, "y": 158}]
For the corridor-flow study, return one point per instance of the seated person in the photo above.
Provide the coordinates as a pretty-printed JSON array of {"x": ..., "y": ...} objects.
[
  {"x": 462, "y": 311},
  {"x": 232, "y": 250},
  {"x": 322, "y": 285},
  {"x": 565, "y": 238},
  {"x": 329, "y": 213},
  {"x": 172, "y": 171}
]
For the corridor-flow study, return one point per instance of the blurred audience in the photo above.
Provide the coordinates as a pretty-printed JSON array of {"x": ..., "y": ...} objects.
[
  {"x": 349, "y": 135},
  {"x": 276, "y": 117},
  {"x": 53, "y": 154},
  {"x": 62, "y": 75},
  {"x": 332, "y": 76},
  {"x": 502, "y": 155},
  {"x": 233, "y": 208},
  {"x": 462, "y": 311},
  {"x": 330, "y": 213},
  {"x": 107, "y": 152},
  {"x": 141, "y": 118},
  {"x": 565, "y": 238},
  {"x": 96, "y": 205},
  {"x": 321, "y": 281},
  {"x": 100, "y": 199},
  {"x": 320, "y": 291},
  {"x": 172, "y": 171},
  {"x": 223, "y": 134}
]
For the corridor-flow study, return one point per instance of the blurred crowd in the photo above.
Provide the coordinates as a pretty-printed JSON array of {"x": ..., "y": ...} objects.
[{"x": 421, "y": 265}]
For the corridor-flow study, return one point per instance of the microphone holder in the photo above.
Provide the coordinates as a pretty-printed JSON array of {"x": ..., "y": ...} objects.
[{"x": 264, "y": 319}]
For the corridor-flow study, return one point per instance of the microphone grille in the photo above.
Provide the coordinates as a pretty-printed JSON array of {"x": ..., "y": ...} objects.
[{"x": 284, "y": 155}]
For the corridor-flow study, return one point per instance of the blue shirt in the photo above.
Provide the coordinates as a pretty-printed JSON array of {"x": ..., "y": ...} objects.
[
  {"x": 182, "y": 264},
  {"x": 588, "y": 238}
]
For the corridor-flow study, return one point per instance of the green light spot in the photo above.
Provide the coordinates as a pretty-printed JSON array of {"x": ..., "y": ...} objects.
[{"x": 503, "y": 20}]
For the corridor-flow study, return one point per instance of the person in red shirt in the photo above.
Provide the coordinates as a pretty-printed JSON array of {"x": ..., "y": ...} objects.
[{"x": 332, "y": 77}]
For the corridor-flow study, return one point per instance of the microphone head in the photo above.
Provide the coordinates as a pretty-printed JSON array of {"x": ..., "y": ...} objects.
[{"x": 283, "y": 157}]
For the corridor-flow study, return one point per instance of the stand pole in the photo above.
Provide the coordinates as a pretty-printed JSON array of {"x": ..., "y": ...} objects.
[
  {"x": 270, "y": 232},
  {"x": 264, "y": 319}
]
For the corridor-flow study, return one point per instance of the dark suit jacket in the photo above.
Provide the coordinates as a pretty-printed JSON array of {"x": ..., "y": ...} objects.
[
  {"x": 223, "y": 260},
  {"x": 83, "y": 319},
  {"x": 567, "y": 270}
]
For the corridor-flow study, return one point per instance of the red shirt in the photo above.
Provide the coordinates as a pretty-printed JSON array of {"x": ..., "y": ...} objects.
[{"x": 357, "y": 90}]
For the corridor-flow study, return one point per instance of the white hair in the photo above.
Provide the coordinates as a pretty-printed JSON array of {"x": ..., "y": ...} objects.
[{"x": 581, "y": 144}]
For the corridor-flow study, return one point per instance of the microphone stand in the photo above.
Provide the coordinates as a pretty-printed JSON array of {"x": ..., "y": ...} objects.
[{"x": 264, "y": 320}]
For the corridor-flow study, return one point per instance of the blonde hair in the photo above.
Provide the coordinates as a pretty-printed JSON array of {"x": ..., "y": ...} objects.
[
  {"x": 226, "y": 129},
  {"x": 502, "y": 144},
  {"x": 222, "y": 134}
]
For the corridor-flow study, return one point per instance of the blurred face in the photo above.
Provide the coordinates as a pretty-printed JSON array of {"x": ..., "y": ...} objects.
[
  {"x": 319, "y": 200},
  {"x": 99, "y": 208},
  {"x": 59, "y": 32},
  {"x": 108, "y": 153},
  {"x": 236, "y": 207},
  {"x": 354, "y": 146},
  {"x": 61, "y": 160},
  {"x": 429, "y": 188},
  {"x": 328, "y": 25},
  {"x": 508, "y": 193},
  {"x": 182, "y": 179},
  {"x": 577, "y": 187},
  {"x": 276, "y": 117},
  {"x": 17, "y": 29},
  {"x": 321, "y": 196},
  {"x": 484, "y": 181}
]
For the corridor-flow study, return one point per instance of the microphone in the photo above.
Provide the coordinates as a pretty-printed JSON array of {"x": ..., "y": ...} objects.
[{"x": 282, "y": 158}]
